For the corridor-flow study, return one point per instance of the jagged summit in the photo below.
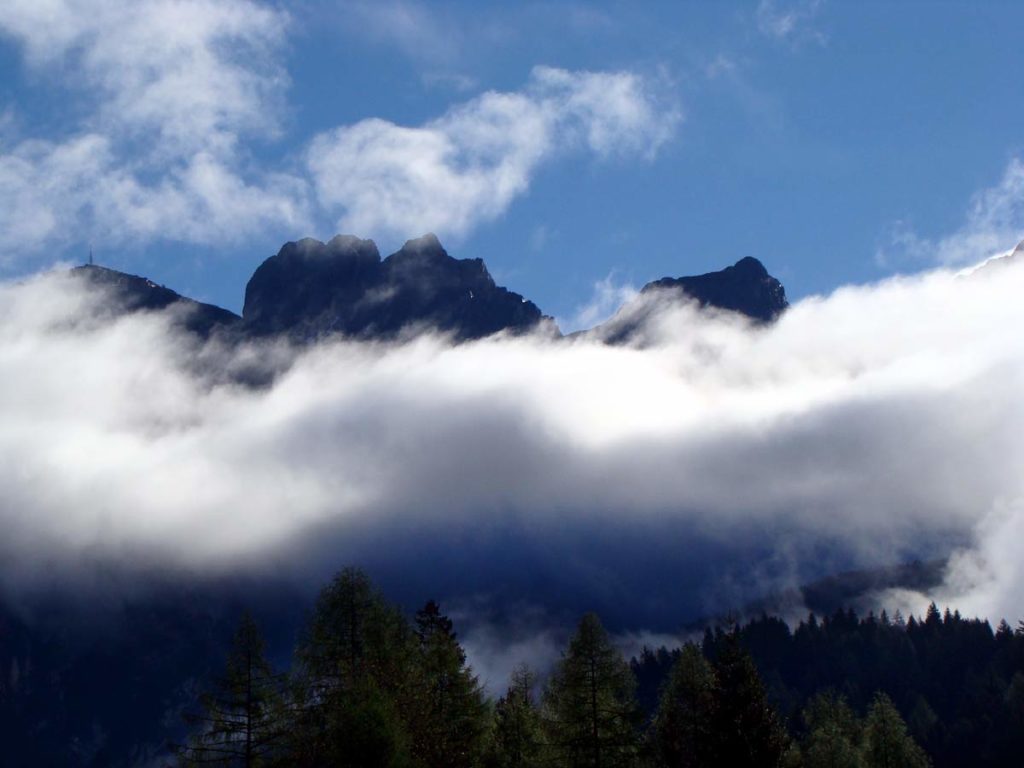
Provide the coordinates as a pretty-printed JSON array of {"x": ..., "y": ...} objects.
[
  {"x": 427, "y": 242},
  {"x": 312, "y": 289},
  {"x": 308, "y": 280},
  {"x": 338, "y": 248},
  {"x": 745, "y": 287},
  {"x": 750, "y": 266}
]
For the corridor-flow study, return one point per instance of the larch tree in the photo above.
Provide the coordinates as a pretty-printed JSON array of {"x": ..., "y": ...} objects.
[
  {"x": 450, "y": 720},
  {"x": 241, "y": 722},
  {"x": 355, "y": 667},
  {"x": 516, "y": 739},
  {"x": 590, "y": 711}
]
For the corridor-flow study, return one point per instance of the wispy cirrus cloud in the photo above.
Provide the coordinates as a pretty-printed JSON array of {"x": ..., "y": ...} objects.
[
  {"x": 994, "y": 224},
  {"x": 425, "y": 33},
  {"x": 607, "y": 297},
  {"x": 789, "y": 21}
]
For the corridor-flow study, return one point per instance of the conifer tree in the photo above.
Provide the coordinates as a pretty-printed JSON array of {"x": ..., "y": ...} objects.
[
  {"x": 450, "y": 718},
  {"x": 516, "y": 740},
  {"x": 681, "y": 733},
  {"x": 354, "y": 636},
  {"x": 241, "y": 723},
  {"x": 590, "y": 712},
  {"x": 353, "y": 690},
  {"x": 746, "y": 729},
  {"x": 834, "y": 733},
  {"x": 886, "y": 741}
]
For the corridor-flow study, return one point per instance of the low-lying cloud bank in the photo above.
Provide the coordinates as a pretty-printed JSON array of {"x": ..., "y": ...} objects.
[{"x": 718, "y": 463}]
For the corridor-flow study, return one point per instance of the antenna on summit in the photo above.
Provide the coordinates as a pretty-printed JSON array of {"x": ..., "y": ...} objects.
[{"x": 91, "y": 263}]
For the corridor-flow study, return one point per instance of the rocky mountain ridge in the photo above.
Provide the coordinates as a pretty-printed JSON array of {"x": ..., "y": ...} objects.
[
  {"x": 310, "y": 290},
  {"x": 126, "y": 294}
]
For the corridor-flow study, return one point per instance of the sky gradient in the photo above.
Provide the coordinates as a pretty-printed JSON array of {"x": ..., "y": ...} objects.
[{"x": 579, "y": 148}]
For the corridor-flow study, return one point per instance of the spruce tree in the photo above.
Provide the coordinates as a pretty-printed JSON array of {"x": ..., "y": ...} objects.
[
  {"x": 746, "y": 729},
  {"x": 886, "y": 741},
  {"x": 834, "y": 733},
  {"x": 590, "y": 712}
]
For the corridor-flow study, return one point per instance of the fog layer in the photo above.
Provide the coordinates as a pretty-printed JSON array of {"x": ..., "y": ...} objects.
[{"x": 716, "y": 463}]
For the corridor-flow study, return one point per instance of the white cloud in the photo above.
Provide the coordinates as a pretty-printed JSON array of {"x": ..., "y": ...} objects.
[
  {"x": 179, "y": 91},
  {"x": 985, "y": 578},
  {"x": 721, "y": 66},
  {"x": 56, "y": 192},
  {"x": 466, "y": 167},
  {"x": 425, "y": 33},
  {"x": 607, "y": 298},
  {"x": 177, "y": 87},
  {"x": 789, "y": 21},
  {"x": 191, "y": 74},
  {"x": 877, "y": 423},
  {"x": 994, "y": 224},
  {"x": 988, "y": 579}
]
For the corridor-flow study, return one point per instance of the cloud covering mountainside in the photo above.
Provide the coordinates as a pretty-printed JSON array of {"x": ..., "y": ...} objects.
[{"x": 721, "y": 461}]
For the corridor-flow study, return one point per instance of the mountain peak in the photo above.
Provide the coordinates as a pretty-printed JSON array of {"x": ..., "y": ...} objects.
[
  {"x": 344, "y": 243},
  {"x": 310, "y": 290},
  {"x": 427, "y": 242},
  {"x": 339, "y": 246},
  {"x": 748, "y": 265},
  {"x": 745, "y": 288}
]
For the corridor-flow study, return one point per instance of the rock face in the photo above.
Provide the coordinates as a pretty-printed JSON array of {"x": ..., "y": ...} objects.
[
  {"x": 311, "y": 289},
  {"x": 129, "y": 293},
  {"x": 745, "y": 287}
]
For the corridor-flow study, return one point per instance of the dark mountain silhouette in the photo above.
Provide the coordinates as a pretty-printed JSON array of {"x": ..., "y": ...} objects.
[
  {"x": 745, "y": 288},
  {"x": 126, "y": 294},
  {"x": 310, "y": 290}
]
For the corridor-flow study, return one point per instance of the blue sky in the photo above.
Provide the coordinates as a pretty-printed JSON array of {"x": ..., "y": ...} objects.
[{"x": 579, "y": 148}]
